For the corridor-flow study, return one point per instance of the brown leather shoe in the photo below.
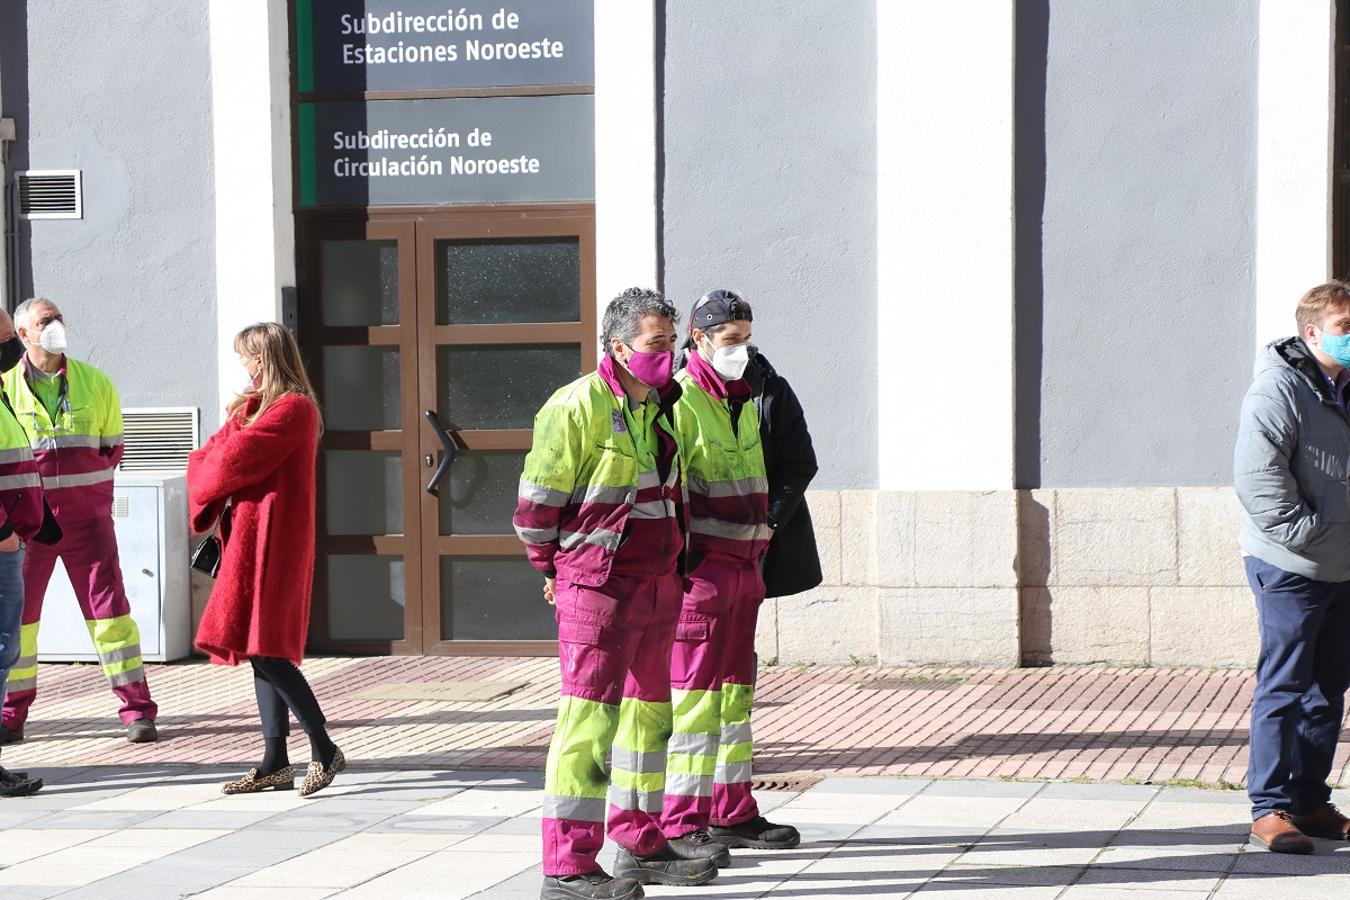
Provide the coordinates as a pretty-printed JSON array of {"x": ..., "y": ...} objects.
[
  {"x": 1276, "y": 832},
  {"x": 1324, "y": 822}
]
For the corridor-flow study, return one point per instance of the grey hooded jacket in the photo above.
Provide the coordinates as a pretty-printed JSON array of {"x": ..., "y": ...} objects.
[{"x": 1290, "y": 466}]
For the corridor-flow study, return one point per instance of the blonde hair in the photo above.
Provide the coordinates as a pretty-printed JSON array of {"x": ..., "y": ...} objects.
[
  {"x": 1314, "y": 306},
  {"x": 282, "y": 371}
]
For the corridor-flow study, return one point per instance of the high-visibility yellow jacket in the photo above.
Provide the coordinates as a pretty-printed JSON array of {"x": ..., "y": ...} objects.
[{"x": 79, "y": 444}]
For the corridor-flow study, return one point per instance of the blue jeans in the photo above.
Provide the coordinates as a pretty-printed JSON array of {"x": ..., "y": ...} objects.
[
  {"x": 11, "y": 612},
  {"x": 1301, "y": 678}
]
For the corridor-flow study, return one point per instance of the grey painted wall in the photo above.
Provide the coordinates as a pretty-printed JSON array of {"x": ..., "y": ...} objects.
[
  {"x": 770, "y": 188},
  {"x": 123, "y": 92},
  {"x": 1147, "y": 240}
]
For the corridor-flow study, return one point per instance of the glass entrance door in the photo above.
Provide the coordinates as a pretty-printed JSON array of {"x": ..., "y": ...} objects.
[{"x": 434, "y": 339}]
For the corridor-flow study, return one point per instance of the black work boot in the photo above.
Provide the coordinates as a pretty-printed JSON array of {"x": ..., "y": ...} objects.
[
  {"x": 11, "y": 735},
  {"x": 665, "y": 866},
  {"x": 757, "y": 834},
  {"x": 591, "y": 886},
  {"x": 18, "y": 784},
  {"x": 700, "y": 845}
]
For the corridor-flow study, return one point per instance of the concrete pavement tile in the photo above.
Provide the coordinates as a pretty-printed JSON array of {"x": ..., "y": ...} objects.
[
  {"x": 518, "y": 825},
  {"x": 1046, "y": 875},
  {"x": 955, "y": 812},
  {"x": 522, "y": 886},
  {"x": 465, "y": 825},
  {"x": 1096, "y": 792},
  {"x": 1323, "y": 861},
  {"x": 449, "y": 873},
  {"x": 977, "y": 788},
  {"x": 264, "y": 801},
  {"x": 320, "y": 819},
  {"x": 1218, "y": 818},
  {"x": 55, "y": 800},
  {"x": 1042, "y": 813},
  {"x": 72, "y": 818},
  {"x": 330, "y": 867},
  {"x": 501, "y": 842},
  {"x": 1200, "y": 795},
  {"x": 1103, "y": 892},
  {"x": 910, "y": 840},
  {"x": 234, "y": 892},
  {"x": 871, "y": 785},
  {"x": 769, "y": 801},
  {"x": 1126, "y": 879},
  {"x": 523, "y": 779},
  {"x": 1264, "y": 887},
  {"x": 403, "y": 842},
  {"x": 78, "y": 866},
  {"x": 33, "y": 891},
  {"x": 484, "y": 802},
  {"x": 1172, "y": 852},
  {"x": 171, "y": 838},
  {"x": 196, "y": 818},
  {"x": 160, "y": 797},
  {"x": 13, "y": 818},
  {"x": 1006, "y": 847},
  {"x": 259, "y": 839}
]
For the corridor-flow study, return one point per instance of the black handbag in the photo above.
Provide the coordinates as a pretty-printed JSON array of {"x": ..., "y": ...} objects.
[{"x": 206, "y": 558}]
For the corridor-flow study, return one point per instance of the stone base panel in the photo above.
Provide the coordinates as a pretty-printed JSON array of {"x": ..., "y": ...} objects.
[{"x": 1134, "y": 576}]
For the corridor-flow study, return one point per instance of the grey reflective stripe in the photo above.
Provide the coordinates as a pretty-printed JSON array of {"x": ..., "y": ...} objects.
[
  {"x": 599, "y": 493},
  {"x": 110, "y": 440},
  {"x": 738, "y": 733},
  {"x": 18, "y": 482},
  {"x": 733, "y": 773},
  {"x": 15, "y": 685},
  {"x": 10, "y": 457},
  {"x": 132, "y": 676},
  {"x": 84, "y": 479},
  {"x": 541, "y": 494},
  {"x": 580, "y": 809},
  {"x": 649, "y": 479},
  {"x": 629, "y": 798},
  {"x": 729, "y": 530},
  {"x": 649, "y": 763},
  {"x": 652, "y": 509},
  {"x": 689, "y": 785},
  {"x": 600, "y": 537},
  {"x": 693, "y": 744},
  {"x": 58, "y": 441},
  {"x": 129, "y": 652},
  {"x": 25, "y": 662},
  {"x": 537, "y": 535},
  {"x": 740, "y": 487}
]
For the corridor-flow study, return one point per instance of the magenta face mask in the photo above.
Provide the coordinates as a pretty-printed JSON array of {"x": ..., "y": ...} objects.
[{"x": 652, "y": 369}]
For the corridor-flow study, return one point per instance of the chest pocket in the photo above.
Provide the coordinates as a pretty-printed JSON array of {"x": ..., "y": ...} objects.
[
  {"x": 616, "y": 466},
  {"x": 83, "y": 419}
]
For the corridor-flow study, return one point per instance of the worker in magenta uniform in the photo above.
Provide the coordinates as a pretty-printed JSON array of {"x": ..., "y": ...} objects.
[
  {"x": 601, "y": 514},
  {"x": 713, "y": 663},
  {"x": 23, "y": 518},
  {"x": 73, "y": 418}
]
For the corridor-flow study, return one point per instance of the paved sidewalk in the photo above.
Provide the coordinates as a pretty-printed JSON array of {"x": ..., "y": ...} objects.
[
  {"x": 1185, "y": 726},
  {"x": 153, "y": 834}
]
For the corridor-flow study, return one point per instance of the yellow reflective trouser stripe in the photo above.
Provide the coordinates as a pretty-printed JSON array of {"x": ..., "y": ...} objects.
[
  {"x": 118, "y": 644},
  {"x": 736, "y": 748},
  {"x": 692, "y": 759},
  {"x": 638, "y": 776},
  {"x": 23, "y": 677},
  {"x": 575, "y": 776}
]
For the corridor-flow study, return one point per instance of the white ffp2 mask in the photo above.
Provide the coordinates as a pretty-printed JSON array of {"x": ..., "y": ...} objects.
[{"x": 730, "y": 362}]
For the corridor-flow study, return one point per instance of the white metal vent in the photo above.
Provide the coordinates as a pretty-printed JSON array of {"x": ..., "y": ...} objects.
[
  {"x": 50, "y": 194},
  {"x": 158, "y": 439}
]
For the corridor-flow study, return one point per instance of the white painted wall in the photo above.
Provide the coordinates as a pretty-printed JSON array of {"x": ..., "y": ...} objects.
[
  {"x": 625, "y": 147},
  {"x": 1296, "y": 78},
  {"x": 945, "y": 244},
  {"x": 255, "y": 233}
]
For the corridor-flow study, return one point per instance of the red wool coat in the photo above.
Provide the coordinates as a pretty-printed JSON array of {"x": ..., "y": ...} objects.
[{"x": 260, "y": 603}]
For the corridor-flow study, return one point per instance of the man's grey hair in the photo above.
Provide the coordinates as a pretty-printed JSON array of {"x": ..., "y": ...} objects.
[
  {"x": 624, "y": 315},
  {"x": 23, "y": 309}
]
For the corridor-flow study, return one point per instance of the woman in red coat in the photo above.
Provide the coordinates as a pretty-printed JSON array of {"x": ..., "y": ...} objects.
[{"x": 256, "y": 477}]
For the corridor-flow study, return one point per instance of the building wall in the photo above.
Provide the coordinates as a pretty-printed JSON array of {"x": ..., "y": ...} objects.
[
  {"x": 1146, "y": 253},
  {"x": 769, "y": 187},
  {"x": 122, "y": 91}
]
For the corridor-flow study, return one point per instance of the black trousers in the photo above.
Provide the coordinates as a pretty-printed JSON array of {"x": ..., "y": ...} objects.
[{"x": 281, "y": 690}]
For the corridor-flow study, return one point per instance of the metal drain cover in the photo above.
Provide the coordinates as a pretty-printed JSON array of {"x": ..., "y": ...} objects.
[{"x": 785, "y": 782}]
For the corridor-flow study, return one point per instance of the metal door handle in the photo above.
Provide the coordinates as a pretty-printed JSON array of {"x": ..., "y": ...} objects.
[{"x": 447, "y": 454}]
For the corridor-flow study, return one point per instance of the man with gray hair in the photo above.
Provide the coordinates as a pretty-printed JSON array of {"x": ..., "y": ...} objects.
[{"x": 601, "y": 513}]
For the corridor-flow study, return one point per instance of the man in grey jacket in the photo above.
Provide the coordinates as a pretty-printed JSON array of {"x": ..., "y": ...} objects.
[{"x": 1292, "y": 474}]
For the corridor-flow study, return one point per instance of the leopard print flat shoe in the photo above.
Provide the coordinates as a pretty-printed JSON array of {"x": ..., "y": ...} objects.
[
  {"x": 282, "y": 779},
  {"x": 317, "y": 777}
]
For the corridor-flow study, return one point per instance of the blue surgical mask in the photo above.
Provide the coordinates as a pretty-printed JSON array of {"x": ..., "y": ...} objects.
[{"x": 1337, "y": 346}]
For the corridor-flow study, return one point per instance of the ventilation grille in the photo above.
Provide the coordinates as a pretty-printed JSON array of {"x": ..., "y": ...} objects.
[
  {"x": 158, "y": 440},
  {"x": 50, "y": 194}
]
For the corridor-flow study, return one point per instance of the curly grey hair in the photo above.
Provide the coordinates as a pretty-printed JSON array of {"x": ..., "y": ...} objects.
[{"x": 624, "y": 315}]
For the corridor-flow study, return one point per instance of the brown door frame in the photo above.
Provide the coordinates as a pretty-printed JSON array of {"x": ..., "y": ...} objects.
[{"x": 417, "y": 336}]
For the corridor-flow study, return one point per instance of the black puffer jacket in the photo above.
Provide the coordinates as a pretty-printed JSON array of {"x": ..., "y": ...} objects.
[{"x": 793, "y": 563}]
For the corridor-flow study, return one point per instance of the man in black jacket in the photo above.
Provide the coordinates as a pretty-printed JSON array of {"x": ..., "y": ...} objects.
[{"x": 793, "y": 563}]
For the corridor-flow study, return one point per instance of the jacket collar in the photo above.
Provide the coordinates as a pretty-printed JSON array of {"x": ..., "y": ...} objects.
[
  {"x": 1294, "y": 354},
  {"x": 666, "y": 396},
  {"x": 707, "y": 378}
]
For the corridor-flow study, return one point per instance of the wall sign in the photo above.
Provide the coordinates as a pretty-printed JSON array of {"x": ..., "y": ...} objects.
[
  {"x": 405, "y": 45},
  {"x": 470, "y": 150}
]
